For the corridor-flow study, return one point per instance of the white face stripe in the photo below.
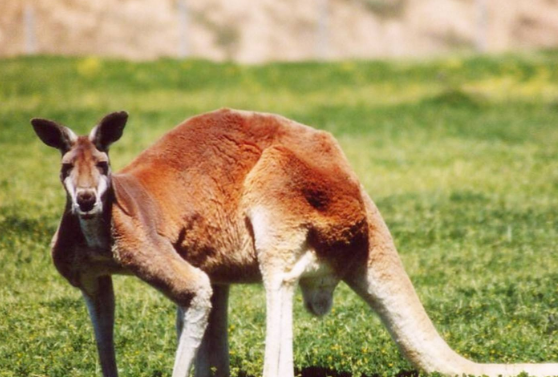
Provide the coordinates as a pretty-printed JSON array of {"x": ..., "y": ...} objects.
[
  {"x": 69, "y": 185},
  {"x": 101, "y": 189}
]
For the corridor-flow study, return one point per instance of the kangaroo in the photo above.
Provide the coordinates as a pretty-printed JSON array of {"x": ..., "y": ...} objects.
[{"x": 235, "y": 197}]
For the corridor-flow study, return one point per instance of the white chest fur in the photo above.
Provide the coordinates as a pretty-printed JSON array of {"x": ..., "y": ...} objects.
[{"x": 94, "y": 232}]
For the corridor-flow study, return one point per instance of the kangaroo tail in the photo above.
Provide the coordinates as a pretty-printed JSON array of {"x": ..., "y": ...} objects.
[{"x": 383, "y": 283}]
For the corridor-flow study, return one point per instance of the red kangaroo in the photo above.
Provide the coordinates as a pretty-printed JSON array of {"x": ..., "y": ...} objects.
[{"x": 235, "y": 197}]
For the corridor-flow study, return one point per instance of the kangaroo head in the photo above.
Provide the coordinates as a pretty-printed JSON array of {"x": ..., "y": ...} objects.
[{"x": 85, "y": 171}]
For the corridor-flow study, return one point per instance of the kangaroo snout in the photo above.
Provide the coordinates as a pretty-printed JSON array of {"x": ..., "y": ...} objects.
[{"x": 86, "y": 200}]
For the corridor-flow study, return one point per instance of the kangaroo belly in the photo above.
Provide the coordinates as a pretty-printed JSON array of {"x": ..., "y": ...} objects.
[{"x": 226, "y": 257}]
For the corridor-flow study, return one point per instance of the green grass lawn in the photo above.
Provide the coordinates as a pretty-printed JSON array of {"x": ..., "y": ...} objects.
[{"x": 460, "y": 155}]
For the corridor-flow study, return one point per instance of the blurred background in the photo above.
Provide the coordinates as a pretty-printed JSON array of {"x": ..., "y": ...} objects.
[{"x": 259, "y": 31}]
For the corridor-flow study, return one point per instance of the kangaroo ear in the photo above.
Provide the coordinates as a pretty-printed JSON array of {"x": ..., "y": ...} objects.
[
  {"x": 53, "y": 134},
  {"x": 109, "y": 130}
]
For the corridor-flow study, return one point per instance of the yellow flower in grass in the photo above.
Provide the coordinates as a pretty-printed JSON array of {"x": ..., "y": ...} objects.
[
  {"x": 348, "y": 66},
  {"x": 453, "y": 63},
  {"x": 89, "y": 67}
]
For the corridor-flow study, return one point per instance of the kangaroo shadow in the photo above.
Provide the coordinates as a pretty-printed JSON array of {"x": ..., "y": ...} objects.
[{"x": 327, "y": 372}]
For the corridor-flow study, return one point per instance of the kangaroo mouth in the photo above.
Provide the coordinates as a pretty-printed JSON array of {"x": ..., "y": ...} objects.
[{"x": 94, "y": 212}]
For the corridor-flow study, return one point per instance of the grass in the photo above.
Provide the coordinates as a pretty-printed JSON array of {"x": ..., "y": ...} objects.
[{"x": 459, "y": 154}]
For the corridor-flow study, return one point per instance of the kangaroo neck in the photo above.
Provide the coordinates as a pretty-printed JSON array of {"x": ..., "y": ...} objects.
[
  {"x": 95, "y": 232},
  {"x": 96, "y": 229}
]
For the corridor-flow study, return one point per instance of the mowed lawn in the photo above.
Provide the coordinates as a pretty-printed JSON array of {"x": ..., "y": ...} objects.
[{"x": 460, "y": 155}]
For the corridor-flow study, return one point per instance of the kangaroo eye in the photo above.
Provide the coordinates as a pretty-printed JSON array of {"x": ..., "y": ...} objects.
[
  {"x": 66, "y": 169},
  {"x": 103, "y": 167}
]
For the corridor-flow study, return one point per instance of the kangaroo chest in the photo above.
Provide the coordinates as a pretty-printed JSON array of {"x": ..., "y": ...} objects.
[
  {"x": 96, "y": 238},
  {"x": 93, "y": 252}
]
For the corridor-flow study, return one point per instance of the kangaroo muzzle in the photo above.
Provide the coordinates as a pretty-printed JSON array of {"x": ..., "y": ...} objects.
[{"x": 86, "y": 200}]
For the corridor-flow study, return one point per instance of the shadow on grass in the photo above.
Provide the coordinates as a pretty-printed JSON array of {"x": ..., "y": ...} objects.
[{"x": 326, "y": 372}]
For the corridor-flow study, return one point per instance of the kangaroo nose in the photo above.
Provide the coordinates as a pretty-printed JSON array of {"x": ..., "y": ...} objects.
[{"x": 86, "y": 200}]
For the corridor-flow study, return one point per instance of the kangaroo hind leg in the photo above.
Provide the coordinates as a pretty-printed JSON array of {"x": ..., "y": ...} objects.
[
  {"x": 283, "y": 257},
  {"x": 281, "y": 195}
]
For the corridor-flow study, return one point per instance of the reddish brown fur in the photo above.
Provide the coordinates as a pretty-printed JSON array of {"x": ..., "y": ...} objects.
[{"x": 193, "y": 183}]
